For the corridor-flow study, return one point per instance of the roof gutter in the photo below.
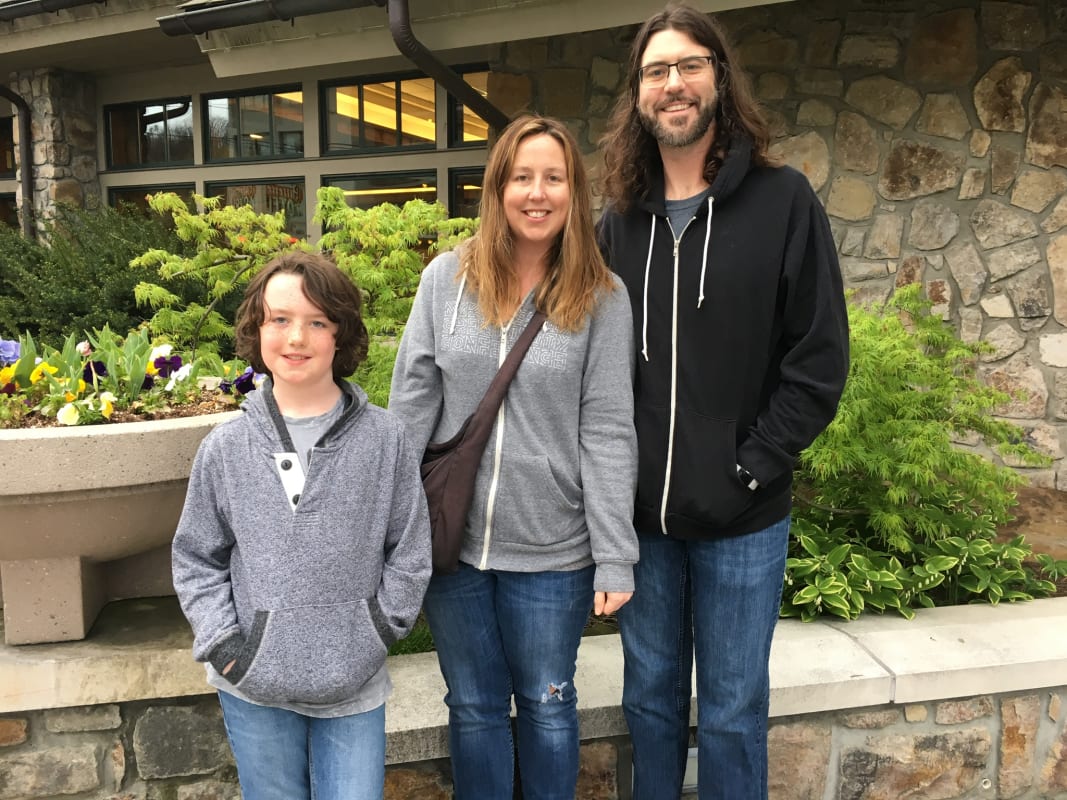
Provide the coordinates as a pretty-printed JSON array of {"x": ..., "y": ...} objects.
[
  {"x": 213, "y": 16},
  {"x": 25, "y": 159},
  {"x": 26, "y": 8}
]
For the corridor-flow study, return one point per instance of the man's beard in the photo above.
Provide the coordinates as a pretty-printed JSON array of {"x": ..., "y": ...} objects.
[{"x": 669, "y": 136}]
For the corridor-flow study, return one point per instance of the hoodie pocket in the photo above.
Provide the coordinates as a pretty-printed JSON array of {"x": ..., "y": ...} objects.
[
  {"x": 313, "y": 654},
  {"x": 533, "y": 506},
  {"x": 704, "y": 483}
]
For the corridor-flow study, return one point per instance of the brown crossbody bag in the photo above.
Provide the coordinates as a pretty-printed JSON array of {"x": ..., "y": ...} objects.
[{"x": 449, "y": 468}]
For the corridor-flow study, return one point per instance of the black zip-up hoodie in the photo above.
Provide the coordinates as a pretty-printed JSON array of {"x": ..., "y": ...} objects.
[{"x": 742, "y": 337}]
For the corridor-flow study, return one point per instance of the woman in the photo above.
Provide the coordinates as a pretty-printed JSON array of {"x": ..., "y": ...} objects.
[{"x": 549, "y": 534}]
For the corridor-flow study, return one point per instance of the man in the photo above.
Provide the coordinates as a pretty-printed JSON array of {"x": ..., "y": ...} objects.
[{"x": 742, "y": 341}]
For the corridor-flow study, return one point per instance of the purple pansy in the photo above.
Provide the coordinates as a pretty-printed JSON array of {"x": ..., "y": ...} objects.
[
  {"x": 94, "y": 367},
  {"x": 167, "y": 365},
  {"x": 9, "y": 351}
]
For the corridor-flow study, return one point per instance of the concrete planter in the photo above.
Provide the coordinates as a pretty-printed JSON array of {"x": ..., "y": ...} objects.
[{"x": 86, "y": 516}]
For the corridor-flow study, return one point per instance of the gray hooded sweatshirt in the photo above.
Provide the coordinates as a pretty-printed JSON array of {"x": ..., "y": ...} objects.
[
  {"x": 555, "y": 488},
  {"x": 304, "y": 583}
]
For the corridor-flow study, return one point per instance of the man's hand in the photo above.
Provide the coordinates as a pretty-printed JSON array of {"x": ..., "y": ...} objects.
[{"x": 610, "y": 602}]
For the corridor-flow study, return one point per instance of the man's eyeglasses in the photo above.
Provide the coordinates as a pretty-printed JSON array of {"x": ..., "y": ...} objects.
[{"x": 689, "y": 69}]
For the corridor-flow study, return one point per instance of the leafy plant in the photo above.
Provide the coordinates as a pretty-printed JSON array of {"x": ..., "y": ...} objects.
[
  {"x": 384, "y": 250},
  {"x": 78, "y": 276},
  {"x": 226, "y": 246},
  {"x": 86, "y": 382},
  {"x": 891, "y": 512}
]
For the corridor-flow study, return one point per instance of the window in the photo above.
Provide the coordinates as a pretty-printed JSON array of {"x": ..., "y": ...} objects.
[
  {"x": 9, "y": 210},
  {"x": 465, "y": 128},
  {"x": 366, "y": 191},
  {"x": 464, "y": 191},
  {"x": 7, "y": 147},
  {"x": 150, "y": 133},
  {"x": 372, "y": 115},
  {"x": 267, "y": 197},
  {"x": 255, "y": 125},
  {"x": 137, "y": 196}
]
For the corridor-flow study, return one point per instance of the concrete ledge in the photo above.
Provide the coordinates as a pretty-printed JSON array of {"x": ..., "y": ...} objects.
[{"x": 139, "y": 650}]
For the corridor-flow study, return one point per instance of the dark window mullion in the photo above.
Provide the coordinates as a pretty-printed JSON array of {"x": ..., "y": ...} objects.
[{"x": 399, "y": 140}]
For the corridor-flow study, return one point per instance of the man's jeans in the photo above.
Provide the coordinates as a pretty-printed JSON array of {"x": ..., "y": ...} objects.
[
  {"x": 499, "y": 633},
  {"x": 723, "y": 595},
  {"x": 283, "y": 755}
]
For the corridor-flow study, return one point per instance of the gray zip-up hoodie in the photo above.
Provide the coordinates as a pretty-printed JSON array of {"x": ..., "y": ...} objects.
[
  {"x": 303, "y": 582},
  {"x": 555, "y": 487}
]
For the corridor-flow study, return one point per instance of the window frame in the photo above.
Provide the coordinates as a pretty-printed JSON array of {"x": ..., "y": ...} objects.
[
  {"x": 362, "y": 149},
  {"x": 331, "y": 180},
  {"x": 453, "y": 118},
  {"x": 143, "y": 165},
  {"x": 270, "y": 91}
]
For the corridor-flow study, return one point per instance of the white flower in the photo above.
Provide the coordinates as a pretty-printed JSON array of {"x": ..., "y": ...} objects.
[
  {"x": 68, "y": 415},
  {"x": 84, "y": 349},
  {"x": 160, "y": 351},
  {"x": 180, "y": 375}
]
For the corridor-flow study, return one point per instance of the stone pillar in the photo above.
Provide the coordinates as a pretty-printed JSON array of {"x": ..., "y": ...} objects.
[{"x": 65, "y": 169}]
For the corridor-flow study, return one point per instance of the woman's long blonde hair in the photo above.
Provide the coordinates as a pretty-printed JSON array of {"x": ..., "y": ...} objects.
[{"x": 576, "y": 270}]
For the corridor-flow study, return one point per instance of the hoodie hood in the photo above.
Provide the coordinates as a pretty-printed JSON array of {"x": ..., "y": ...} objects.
[
  {"x": 261, "y": 407},
  {"x": 735, "y": 166}
]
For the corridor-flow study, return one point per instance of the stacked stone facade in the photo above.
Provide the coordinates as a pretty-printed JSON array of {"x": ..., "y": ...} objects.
[
  {"x": 1001, "y": 747},
  {"x": 936, "y": 135},
  {"x": 64, "y": 130}
]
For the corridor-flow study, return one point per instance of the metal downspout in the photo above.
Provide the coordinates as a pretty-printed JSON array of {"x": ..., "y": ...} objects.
[
  {"x": 27, "y": 8},
  {"x": 420, "y": 55},
  {"x": 25, "y": 159}
]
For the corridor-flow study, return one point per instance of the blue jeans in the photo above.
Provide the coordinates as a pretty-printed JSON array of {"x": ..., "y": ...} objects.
[
  {"x": 283, "y": 755},
  {"x": 500, "y": 634},
  {"x": 721, "y": 595}
]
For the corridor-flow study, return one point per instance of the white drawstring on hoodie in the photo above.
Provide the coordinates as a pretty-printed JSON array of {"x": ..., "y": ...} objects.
[
  {"x": 648, "y": 268},
  {"x": 674, "y": 337}
]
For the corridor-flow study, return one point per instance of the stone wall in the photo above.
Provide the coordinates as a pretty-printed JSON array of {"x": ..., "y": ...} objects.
[
  {"x": 936, "y": 135},
  {"x": 992, "y": 746},
  {"x": 63, "y": 125}
]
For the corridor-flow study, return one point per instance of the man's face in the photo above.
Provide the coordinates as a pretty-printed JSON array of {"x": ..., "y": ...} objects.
[{"x": 679, "y": 113}]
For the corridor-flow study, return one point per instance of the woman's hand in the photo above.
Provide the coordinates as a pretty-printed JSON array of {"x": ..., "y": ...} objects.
[{"x": 610, "y": 602}]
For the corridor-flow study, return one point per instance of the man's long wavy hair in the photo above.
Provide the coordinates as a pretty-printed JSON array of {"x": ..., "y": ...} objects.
[
  {"x": 629, "y": 150},
  {"x": 576, "y": 270}
]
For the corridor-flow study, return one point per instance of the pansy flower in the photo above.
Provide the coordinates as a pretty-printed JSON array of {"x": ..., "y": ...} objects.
[
  {"x": 9, "y": 351},
  {"x": 94, "y": 370},
  {"x": 68, "y": 415},
  {"x": 40, "y": 370},
  {"x": 167, "y": 365}
]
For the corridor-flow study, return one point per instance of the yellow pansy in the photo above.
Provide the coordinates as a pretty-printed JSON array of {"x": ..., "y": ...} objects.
[
  {"x": 151, "y": 369},
  {"x": 107, "y": 404},
  {"x": 39, "y": 371},
  {"x": 68, "y": 415},
  {"x": 7, "y": 374}
]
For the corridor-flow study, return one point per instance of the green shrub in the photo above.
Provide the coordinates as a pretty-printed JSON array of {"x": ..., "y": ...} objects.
[
  {"x": 890, "y": 512},
  {"x": 79, "y": 277},
  {"x": 383, "y": 249}
]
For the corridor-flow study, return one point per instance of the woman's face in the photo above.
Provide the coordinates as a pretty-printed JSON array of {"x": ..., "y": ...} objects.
[{"x": 537, "y": 195}]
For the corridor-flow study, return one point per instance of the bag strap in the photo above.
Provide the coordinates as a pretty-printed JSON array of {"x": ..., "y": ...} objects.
[{"x": 480, "y": 423}]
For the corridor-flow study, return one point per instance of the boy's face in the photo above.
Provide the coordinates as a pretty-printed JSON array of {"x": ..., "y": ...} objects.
[{"x": 296, "y": 339}]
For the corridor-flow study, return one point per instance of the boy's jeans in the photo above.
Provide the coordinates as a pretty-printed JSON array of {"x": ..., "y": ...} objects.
[
  {"x": 283, "y": 755},
  {"x": 504, "y": 633},
  {"x": 723, "y": 595}
]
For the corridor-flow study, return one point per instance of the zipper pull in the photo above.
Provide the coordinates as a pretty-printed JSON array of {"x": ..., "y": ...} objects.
[{"x": 676, "y": 243}]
